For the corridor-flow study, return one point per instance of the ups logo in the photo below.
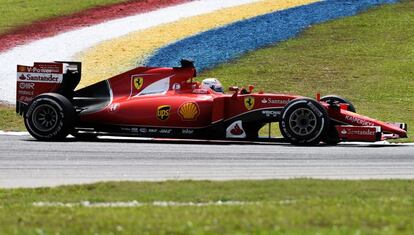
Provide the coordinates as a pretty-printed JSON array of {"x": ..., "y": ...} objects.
[{"x": 163, "y": 112}]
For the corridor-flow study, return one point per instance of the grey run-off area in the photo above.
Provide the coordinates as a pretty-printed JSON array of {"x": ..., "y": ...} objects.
[{"x": 25, "y": 162}]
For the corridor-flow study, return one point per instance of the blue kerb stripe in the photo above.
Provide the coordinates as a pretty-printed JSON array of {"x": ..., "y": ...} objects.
[{"x": 216, "y": 46}]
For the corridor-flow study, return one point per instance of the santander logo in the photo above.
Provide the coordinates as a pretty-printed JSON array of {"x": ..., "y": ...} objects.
[
  {"x": 274, "y": 101},
  {"x": 22, "y": 77},
  {"x": 236, "y": 130},
  {"x": 40, "y": 77}
]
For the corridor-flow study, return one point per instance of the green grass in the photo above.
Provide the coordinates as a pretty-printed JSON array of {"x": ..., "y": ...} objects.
[
  {"x": 368, "y": 58},
  {"x": 9, "y": 120},
  {"x": 17, "y": 13},
  {"x": 278, "y": 207}
]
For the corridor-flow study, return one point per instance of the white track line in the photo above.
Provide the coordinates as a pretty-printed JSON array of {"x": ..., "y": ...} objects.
[
  {"x": 64, "y": 46},
  {"x": 13, "y": 133},
  {"x": 139, "y": 204}
]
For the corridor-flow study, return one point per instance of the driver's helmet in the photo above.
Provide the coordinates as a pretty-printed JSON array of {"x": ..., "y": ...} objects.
[{"x": 212, "y": 83}]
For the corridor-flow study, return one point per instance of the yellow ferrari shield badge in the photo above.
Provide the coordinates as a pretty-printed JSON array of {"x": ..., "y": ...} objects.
[
  {"x": 138, "y": 82},
  {"x": 249, "y": 102}
]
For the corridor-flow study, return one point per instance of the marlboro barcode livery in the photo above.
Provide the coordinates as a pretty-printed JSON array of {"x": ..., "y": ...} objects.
[{"x": 166, "y": 102}]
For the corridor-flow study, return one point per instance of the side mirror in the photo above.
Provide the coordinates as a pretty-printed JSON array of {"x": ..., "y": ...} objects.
[
  {"x": 251, "y": 88},
  {"x": 234, "y": 88}
]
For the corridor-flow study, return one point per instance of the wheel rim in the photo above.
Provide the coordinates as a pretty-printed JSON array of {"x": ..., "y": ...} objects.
[
  {"x": 302, "y": 122},
  {"x": 44, "y": 118}
]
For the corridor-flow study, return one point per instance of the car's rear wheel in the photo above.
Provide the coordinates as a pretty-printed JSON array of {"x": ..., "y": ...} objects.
[
  {"x": 304, "y": 122},
  {"x": 50, "y": 117}
]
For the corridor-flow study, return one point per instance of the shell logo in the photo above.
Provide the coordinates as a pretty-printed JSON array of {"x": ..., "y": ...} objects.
[{"x": 189, "y": 111}]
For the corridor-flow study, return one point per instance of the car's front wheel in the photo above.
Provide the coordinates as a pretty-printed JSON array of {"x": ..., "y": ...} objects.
[
  {"x": 304, "y": 122},
  {"x": 50, "y": 117},
  {"x": 332, "y": 137}
]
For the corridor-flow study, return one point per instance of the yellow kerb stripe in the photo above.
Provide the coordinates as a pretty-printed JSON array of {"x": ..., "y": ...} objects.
[{"x": 115, "y": 56}]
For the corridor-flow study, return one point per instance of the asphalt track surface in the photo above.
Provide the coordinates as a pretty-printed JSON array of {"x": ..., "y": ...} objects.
[{"x": 25, "y": 162}]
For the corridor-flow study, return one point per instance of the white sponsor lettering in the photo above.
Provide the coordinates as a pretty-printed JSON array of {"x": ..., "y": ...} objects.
[
  {"x": 358, "y": 132},
  {"x": 270, "y": 113},
  {"x": 367, "y": 132},
  {"x": 187, "y": 131},
  {"x": 40, "y": 77},
  {"x": 200, "y": 91},
  {"x": 315, "y": 109},
  {"x": 27, "y": 85},
  {"x": 165, "y": 131},
  {"x": 274, "y": 101},
  {"x": 114, "y": 107},
  {"x": 359, "y": 121},
  {"x": 25, "y": 92},
  {"x": 42, "y": 70}
]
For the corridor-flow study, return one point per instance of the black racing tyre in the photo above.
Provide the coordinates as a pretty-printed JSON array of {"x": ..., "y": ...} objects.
[
  {"x": 339, "y": 100},
  {"x": 50, "y": 117},
  {"x": 332, "y": 137},
  {"x": 304, "y": 122}
]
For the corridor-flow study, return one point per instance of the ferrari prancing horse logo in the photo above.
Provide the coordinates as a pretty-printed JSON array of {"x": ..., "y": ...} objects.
[
  {"x": 249, "y": 102},
  {"x": 138, "y": 82}
]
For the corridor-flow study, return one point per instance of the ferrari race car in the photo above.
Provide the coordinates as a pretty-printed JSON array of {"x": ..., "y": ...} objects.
[{"x": 167, "y": 103}]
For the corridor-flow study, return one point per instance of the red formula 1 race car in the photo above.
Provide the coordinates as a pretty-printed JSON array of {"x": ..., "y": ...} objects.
[{"x": 167, "y": 103}]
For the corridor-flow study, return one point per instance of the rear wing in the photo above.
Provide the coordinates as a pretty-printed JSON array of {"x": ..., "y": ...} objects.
[{"x": 59, "y": 77}]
